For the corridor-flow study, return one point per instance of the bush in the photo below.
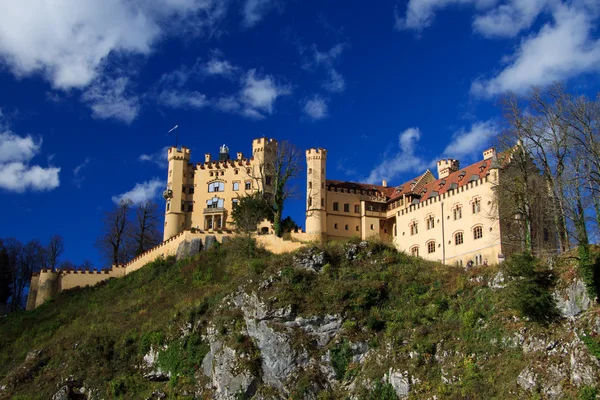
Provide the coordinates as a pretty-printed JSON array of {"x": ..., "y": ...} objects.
[
  {"x": 341, "y": 356},
  {"x": 587, "y": 393},
  {"x": 382, "y": 391},
  {"x": 529, "y": 287}
]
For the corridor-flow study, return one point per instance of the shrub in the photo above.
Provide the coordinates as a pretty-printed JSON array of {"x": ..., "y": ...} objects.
[
  {"x": 530, "y": 285},
  {"x": 587, "y": 393},
  {"x": 341, "y": 356},
  {"x": 257, "y": 266},
  {"x": 382, "y": 391}
]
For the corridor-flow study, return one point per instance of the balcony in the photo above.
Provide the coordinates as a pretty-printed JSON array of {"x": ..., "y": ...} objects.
[
  {"x": 214, "y": 210},
  {"x": 377, "y": 214}
]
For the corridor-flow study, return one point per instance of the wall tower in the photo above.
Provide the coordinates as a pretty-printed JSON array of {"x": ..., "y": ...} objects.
[
  {"x": 264, "y": 152},
  {"x": 178, "y": 157},
  {"x": 316, "y": 192}
]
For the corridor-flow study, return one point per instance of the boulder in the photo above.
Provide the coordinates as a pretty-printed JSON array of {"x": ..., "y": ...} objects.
[
  {"x": 209, "y": 241},
  {"x": 573, "y": 299}
]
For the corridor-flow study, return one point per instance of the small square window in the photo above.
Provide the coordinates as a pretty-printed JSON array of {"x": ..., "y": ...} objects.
[
  {"x": 346, "y": 207},
  {"x": 336, "y": 206},
  {"x": 248, "y": 185},
  {"x": 334, "y": 226}
]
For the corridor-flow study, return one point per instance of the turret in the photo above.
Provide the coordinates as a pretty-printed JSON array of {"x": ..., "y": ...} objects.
[
  {"x": 446, "y": 167},
  {"x": 175, "y": 198},
  {"x": 316, "y": 192}
]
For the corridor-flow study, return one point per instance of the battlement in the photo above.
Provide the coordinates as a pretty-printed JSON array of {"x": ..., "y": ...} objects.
[
  {"x": 447, "y": 166},
  {"x": 316, "y": 154},
  {"x": 178, "y": 153},
  {"x": 263, "y": 141},
  {"x": 489, "y": 153}
]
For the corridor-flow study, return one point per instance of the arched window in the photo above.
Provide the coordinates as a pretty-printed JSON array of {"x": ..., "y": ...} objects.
[
  {"x": 431, "y": 247},
  {"x": 457, "y": 211},
  {"x": 310, "y": 201},
  {"x": 414, "y": 251},
  {"x": 310, "y": 171},
  {"x": 476, "y": 205},
  {"x": 310, "y": 185},
  {"x": 430, "y": 220},
  {"x": 168, "y": 205},
  {"x": 414, "y": 228},
  {"x": 458, "y": 238},
  {"x": 477, "y": 232}
]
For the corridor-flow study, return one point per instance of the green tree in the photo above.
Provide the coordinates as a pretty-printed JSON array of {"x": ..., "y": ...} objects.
[{"x": 250, "y": 211}]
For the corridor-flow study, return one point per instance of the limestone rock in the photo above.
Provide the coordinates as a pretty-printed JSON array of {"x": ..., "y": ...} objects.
[
  {"x": 310, "y": 258},
  {"x": 527, "y": 379},
  {"x": 400, "y": 382},
  {"x": 188, "y": 248},
  {"x": 209, "y": 241},
  {"x": 229, "y": 376},
  {"x": 64, "y": 393},
  {"x": 572, "y": 300},
  {"x": 152, "y": 371}
]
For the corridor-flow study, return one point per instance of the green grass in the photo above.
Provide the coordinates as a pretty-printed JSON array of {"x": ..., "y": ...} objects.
[{"x": 398, "y": 304}]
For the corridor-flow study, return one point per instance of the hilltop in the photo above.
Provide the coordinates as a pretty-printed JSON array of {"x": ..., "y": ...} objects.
[{"x": 331, "y": 321}]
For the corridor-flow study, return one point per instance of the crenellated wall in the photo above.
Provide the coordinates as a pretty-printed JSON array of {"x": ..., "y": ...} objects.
[{"x": 47, "y": 284}]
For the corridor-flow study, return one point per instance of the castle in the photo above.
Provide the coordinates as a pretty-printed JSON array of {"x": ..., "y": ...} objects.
[{"x": 452, "y": 218}]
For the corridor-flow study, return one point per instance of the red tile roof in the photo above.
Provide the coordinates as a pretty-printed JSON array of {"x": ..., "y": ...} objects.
[{"x": 456, "y": 179}]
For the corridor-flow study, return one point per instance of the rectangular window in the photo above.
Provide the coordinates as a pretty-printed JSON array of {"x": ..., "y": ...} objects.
[
  {"x": 346, "y": 227},
  {"x": 346, "y": 207},
  {"x": 191, "y": 189},
  {"x": 236, "y": 186},
  {"x": 234, "y": 202},
  {"x": 322, "y": 202},
  {"x": 248, "y": 185},
  {"x": 336, "y": 206},
  {"x": 457, "y": 212},
  {"x": 430, "y": 222},
  {"x": 190, "y": 206},
  {"x": 357, "y": 228},
  {"x": 372, "y": 227},
  {"x": 334, "y": 226},
  {"x": 476, "y": 206},
  {"x": 357, "y": 208},
  {"x": 268, "y": 181}
]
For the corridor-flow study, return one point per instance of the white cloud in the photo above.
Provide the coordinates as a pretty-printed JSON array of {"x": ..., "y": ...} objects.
[
  {"x": 78, "y": 178},
  {"x": 15, "y": 172},
  {"x": 316, "y": 107},
  {"x": 109, "y": 98},
  {"x": 215, "y": 66},
  {"x": 335, "y": 82},
  {"x": 67, "y": 41},
  {"x": 227, "y": 104},
  {"x": 559, "y": 51},
  {"x": 141, "y": 192},
  {"x": 404, "y": 160},
  {"x": 184, "y": 99},
  {"x": 507, "y": 20},
  {"x": 259, "y": 93},
  {"x": 420, "y": 14},
  {"x": 255, "y": 10},
  {"x": 469, "y": 144},
  {"x": 159, "y": 157}
]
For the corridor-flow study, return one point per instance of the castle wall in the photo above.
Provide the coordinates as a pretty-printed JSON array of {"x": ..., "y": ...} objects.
[
  {"x": 33, "y": 290},
  {"x": 445, "y": 228}
]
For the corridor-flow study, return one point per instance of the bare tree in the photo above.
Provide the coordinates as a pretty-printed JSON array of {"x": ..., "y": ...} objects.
[
  {"x": 5, "y": 278},
  {"x": 144, "y": 233},
  {"x": 53, "y": 252},
  {"x": 111, "y": 243},
  {"x": 274, "y": 175},
  {"x": 29, "y": 259}
]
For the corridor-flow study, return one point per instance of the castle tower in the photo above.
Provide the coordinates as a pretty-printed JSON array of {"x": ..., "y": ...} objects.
[
  {"x": 446, "y": 167},
  {"x": 316, "y": 192},
  {"x": 178, "y": 157},
  {"x": 264, "y": 152}
]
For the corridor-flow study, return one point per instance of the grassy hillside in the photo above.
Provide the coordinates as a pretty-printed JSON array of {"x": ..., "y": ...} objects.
[{"x": 443, "y": 324}]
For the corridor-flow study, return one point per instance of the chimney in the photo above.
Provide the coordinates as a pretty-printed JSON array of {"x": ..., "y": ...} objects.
[
  {"x": 489, "y": 153},
  {"x": 446, "y": 167},
  {"x": 207, "y": 158},
  {"x": 384, "y": 183}
]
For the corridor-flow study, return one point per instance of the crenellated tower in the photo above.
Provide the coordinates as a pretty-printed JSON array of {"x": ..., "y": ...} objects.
[
  {"x": 264, "y": 152},
  {"x": 316, "y": 192},
  {"x": 179, "y": 158}
]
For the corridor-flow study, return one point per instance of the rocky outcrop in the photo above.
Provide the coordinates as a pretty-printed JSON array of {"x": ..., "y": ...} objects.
[
  {"x": 310, "y": 258},
  {"x": 188, "y": 248},
  {"x": 573, "y": 299},
  {"x": 150, "y": 368}
]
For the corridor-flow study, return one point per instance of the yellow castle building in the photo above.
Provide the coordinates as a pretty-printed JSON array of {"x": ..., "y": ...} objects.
[
  {"x": 202, "y": 195},
  {"x": 451, "y": 218}
]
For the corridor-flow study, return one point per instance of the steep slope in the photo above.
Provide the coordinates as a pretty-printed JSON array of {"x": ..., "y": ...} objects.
[{"x": 345, "y": 319}]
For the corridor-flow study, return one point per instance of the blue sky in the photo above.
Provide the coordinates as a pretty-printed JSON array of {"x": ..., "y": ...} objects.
[{"x": 88, "y": 90}]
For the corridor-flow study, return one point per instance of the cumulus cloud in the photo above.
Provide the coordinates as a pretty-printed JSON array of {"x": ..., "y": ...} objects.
[
  {"x": 159, "y": 157},
  {"x": 216, "y": 66},
  {"x": 111, "y": 98},
  {"x": 561, "y": 50},
  {"x": 254, "y": 10},
  {"x": 507, "y": 20},
  {"x": 16, "y": 173},
  {"x": 468, "y": 144},
  {"x": 420, "y": 14},
  {"x": 67, "y": 41},
  {"x": 316, "y": 107},
  {"x": 403, "y": 160},
  {"x": 141, "y": 192},
  {"x": 259, "y": 93}
]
